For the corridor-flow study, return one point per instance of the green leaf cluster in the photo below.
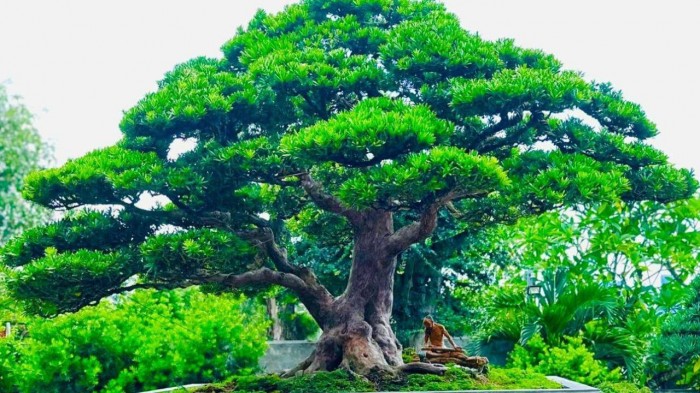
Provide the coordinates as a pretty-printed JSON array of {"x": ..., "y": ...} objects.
[
  {"x": 424, "y": 175},
  {"x": 675, "y": 351},
  {"x": 87, "y": 229},
  {"x": 522, "y": 88},
  {"x": 104, "y": 176},
  {"x": 183, "y": 254},
  {"x": 374, "y": 130},
  {"x": 83, "y": 277}
]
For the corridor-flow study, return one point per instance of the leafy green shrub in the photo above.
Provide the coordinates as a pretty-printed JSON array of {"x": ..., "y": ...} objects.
[
  {"x": 675, "y": 354},
  {"x": 622, "y": 387},
  {"x": 144, "y": 341},
  {"x": 572, "y": 360},
  {"x": 8, "y": 358}
]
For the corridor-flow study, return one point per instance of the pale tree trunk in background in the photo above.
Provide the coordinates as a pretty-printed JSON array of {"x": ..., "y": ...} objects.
[{"x": 273, "y": 313}]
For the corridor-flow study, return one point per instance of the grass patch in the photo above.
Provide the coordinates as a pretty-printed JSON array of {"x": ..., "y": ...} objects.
[{"x": 341, "y": 381}]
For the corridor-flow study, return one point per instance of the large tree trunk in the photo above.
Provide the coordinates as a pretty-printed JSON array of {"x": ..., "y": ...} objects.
[{"x": 356, "y": 332}]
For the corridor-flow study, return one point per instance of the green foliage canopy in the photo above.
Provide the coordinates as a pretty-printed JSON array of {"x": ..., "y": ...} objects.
[{"x": 334, "y": 105}]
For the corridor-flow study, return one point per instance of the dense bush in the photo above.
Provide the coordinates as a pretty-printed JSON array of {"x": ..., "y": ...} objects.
[
  {"x": 144, "y": 341},
  {"x": 675, "y": 354},
  {"x": 455, "y": 378},
  {"x": 622, "y": 387},
  {"x": 571, "y": 360}
]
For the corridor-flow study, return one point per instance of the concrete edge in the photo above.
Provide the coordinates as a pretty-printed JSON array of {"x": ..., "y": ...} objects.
[
  {"x": 183, "y": 388},
  {"x": 572, "y": 385},
  {"x": 569, "y": 387}
]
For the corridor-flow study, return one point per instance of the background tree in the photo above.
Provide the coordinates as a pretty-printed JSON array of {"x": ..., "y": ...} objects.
[
  {"x": 21, "y": 151},
  {"x": 380, "y": 113}
]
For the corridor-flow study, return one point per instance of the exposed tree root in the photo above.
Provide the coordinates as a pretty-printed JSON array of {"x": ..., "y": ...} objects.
[{"x": 423, "y": 368}]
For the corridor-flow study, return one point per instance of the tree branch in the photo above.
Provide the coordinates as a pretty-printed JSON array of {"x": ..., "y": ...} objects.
[
  {"x": 426, "y": 224},
  {"x": 316, "y": 298},
  {"x": 492, "y": 143},
  {"x": 327, "y": 201},
  {"x": 265, "y": 240},
  {"x": 414, "y": 232},
  {"x": 488, "y": 134},
  {"x": 94, "y": 297}
]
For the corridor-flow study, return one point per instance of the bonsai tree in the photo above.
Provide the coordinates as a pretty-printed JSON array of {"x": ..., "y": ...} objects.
[{"x": 382, "y": 120}]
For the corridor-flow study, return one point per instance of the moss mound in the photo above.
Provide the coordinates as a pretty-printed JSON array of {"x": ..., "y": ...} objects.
[
  {"x": 341, "y": 381},
  {"x": 622, "y": 387}
]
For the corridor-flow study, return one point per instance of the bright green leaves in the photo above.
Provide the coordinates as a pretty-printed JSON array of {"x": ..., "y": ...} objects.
[
  {"x": 662, "y": 183},
  {"x": 104, "y": 176},
  {"x": 256, "y": 159},
  {"x": 574, "y": 136},
  {"x": 68, "y": 281},
  {"x": 519, "y": 89},
  {"x": 315, "y": 69},
  {"x": 345, "y": 33},
  {"x": 513, "y": 57},
  {"x": 184, "y": 254},
  {"x": 437, "y": 44},
  {"x": 196, "y": 95},
  {"x": 90, "y": 230},
  {"x": 550, "y": 179},
  {"x": 367, "y": 11},
  {"x": 617, "y": 115},
  {"x": 422, "y": 176},
  {"x": 374, "y": 130}
]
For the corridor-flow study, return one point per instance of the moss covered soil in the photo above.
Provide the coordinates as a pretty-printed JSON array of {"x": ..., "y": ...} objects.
[{"x": 341, "y": 381}]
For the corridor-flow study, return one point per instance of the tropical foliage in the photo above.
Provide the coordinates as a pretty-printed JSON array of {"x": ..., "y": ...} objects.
[
  {"x": 675, "y": 353},
  {"x": 601, "y": 270}
]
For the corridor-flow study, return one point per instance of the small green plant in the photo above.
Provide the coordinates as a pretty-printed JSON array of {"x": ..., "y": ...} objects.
[
  {"x": 622, "y": 387},
  {"x": 408, "y": 354},
  {"x": 572, "y": 360}
]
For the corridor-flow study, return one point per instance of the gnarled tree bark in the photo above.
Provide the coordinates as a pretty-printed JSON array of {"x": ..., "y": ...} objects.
[{"x": 357, "y": 334}]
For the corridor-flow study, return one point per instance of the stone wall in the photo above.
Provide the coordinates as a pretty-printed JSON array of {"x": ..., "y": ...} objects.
[{"x": 283, "y": 355}]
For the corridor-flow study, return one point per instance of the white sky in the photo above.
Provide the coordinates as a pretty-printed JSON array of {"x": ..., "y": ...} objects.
[{"x": 79, "y": 63}]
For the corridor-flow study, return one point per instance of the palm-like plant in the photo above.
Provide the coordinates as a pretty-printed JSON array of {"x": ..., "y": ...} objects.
[
  {"x": 675, "y": 353},
  {"x": 563, "y": 308},
  {"x": 624, "y": 342}
]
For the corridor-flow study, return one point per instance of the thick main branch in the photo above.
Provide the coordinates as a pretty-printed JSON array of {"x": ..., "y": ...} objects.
[
  {"x": 327, "y": 201},
  {"x": 316, "y": 298},
  {"x": 426, "y": 224}
]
